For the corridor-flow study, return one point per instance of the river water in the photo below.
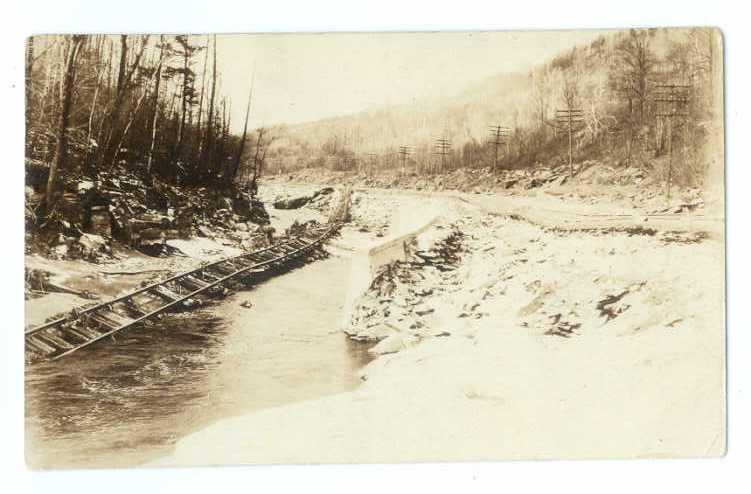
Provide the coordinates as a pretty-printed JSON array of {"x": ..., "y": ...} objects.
[{"x": 126, "y": 402}]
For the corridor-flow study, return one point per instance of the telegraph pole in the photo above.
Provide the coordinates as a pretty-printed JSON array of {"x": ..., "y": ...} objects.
[
  {"x": 404, "y": 152},
  {"x": 672, "y": 102},
  {"x": 499, "y": 135},
  {"x": 572, "y": 120},
  {"x": 372, "y": 157},
  {"x": 442, "y": 147}
]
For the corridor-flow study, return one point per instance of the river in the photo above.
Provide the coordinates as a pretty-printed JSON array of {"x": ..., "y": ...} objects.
[{"x": 126, "y": 402}]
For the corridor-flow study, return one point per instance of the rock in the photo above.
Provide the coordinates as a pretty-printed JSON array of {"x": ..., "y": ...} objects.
[
  {"x": 151, "y": 234},
  {"x": 37, "y": 172},
  {"x": 204, "y": 232},
  {"x": 534, "y": 183},
  {"x": 99, "y": 221},
  {"x": 84, "y": 185},
  {"x": 91, "y": 245},
  {"x": 323, "y": 191},
  {"x": 423, "y": 310},
  {"x": 393, "y": 344},
  {"x": 250, "y": 208},
  {"x": 291, "y": 202}
]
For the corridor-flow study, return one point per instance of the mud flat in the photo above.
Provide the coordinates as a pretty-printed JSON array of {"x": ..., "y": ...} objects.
[{"x": 533, "y": 344}]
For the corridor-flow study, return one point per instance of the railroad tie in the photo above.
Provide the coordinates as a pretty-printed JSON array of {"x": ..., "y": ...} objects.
[
  {"x": 192, "y": 283},
  {"x": 211, "y": 276},
  {"x": 105, "y": 321},
  {"x": 40, "y": 346},
  {"x": 51, "y": 340},
  {"x": 55, "y": 341},
  {"x": 78, "y": 334},
  {"x": 223, "y": 269}
]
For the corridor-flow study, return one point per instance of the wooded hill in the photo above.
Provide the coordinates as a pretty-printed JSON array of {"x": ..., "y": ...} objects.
[
  {"x": 152, "y": 104},
  {"x": 616, "y": 84}
]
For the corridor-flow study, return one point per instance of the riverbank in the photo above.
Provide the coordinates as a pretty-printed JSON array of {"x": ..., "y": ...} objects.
[
  {"x": 58, "y": 284},
  {"x": 536, "y": 344},
  {"x": 130, "y": 398},
  {"x": 612, "y": 189}
]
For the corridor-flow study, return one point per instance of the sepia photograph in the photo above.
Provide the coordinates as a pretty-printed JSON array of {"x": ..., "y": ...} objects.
[{"x": 296, "y": 248}]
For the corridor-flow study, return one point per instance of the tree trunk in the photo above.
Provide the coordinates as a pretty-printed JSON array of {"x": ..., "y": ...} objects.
[
  {"x": 123, "y": 62},
  {"x": 87, "y": 157},
  {"x": 222, "y": 140},
  {"x": 206, "y": 161},
  {"x": 200, "y": 101},
  {"x": 157, "y": 83},
  {"x": 184, "y": 110},
  {"x": 123, "y": 85},
  {"x": 59, "y": 164},
  {"x": 241, "y": 148}
]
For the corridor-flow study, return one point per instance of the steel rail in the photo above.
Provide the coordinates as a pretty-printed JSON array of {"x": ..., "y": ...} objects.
[
  {"x": 146, "y": 288},
  {"x": 169, "y": 305}
]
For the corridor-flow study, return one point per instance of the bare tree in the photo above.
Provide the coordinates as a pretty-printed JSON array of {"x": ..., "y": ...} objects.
[
  {"x": 124, "y": 78},
  {"x": 259, "y": 157},
  {"x": 241, "y": 147},
  {"x": 206, "y": 155},
  {"x": 541, "y": 93},
  {"x": 637, "y": 63},
  {"x": 59, "y": 163},
  {"x": 155, "y": 114},
  {"x": 200, "y": 100}
]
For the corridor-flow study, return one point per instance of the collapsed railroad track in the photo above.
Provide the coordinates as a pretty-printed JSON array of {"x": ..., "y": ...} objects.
[{"x": 84, "y": 327}]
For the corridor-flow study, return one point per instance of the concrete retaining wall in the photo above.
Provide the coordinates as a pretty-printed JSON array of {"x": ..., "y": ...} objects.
[{"x": 367, "y": 262}]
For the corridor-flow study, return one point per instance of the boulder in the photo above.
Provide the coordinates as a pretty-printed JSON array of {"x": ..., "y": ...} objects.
[
  {"x": 291, "y": 202},
  {"x": 92, "y": 245}
]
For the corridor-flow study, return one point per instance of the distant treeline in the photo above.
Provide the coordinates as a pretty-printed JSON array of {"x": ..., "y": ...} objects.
[
  {"x": 96, "y": 102},
  {"x": 617, "y": 83}
]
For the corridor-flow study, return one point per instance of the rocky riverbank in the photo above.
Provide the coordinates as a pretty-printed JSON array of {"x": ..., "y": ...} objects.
[{"x": 91, "y": 258}]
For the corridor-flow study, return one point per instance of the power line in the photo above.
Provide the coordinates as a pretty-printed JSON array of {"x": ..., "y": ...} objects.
[
  {"x": 671, "y": 101},
  {"x": 442, "y": 147},
  {"x": 571, "y": 120},
  {"x": 499, "y": 135},
  {"x": 404, "y": 152}
]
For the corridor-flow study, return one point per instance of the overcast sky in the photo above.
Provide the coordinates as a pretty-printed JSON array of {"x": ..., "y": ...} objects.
[{"x": 303, "y": 77}]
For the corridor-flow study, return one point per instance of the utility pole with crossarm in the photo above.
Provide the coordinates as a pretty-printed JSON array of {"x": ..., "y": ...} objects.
[
  {"x": 571, "y": 120},
  {"x": 442, "y": 147},
  {"x": 404, "y": 152},
  {"x": 499, "y": 135},
  {"x": 672, "y": 102}
]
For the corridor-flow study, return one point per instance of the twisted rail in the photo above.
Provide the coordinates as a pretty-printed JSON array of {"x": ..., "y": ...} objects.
[{"x": 81, "y": 328}]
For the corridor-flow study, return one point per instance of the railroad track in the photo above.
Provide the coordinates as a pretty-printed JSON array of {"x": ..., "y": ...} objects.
[
  {"x": 81, "y": 328},
  {"x": 84, "y": 327}
]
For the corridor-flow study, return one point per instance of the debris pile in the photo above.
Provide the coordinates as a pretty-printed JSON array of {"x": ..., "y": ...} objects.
[
  {"x": 646, "y": 182},
  {"x": 38, "y": 282},
  {"x": 399, "y": 297},
  {"x": 142, "y": 213},
  {"x": 296, "y": 202}
]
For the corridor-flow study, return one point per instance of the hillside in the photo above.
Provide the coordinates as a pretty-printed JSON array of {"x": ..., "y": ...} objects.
[{"x": 615, "y": 82}]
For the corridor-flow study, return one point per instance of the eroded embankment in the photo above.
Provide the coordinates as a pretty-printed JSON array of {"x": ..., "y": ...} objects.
[{"x": 522, "y": 343}]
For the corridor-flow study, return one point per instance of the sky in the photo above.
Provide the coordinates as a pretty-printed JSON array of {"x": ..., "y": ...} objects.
[{"x": 305, "y": 77}]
